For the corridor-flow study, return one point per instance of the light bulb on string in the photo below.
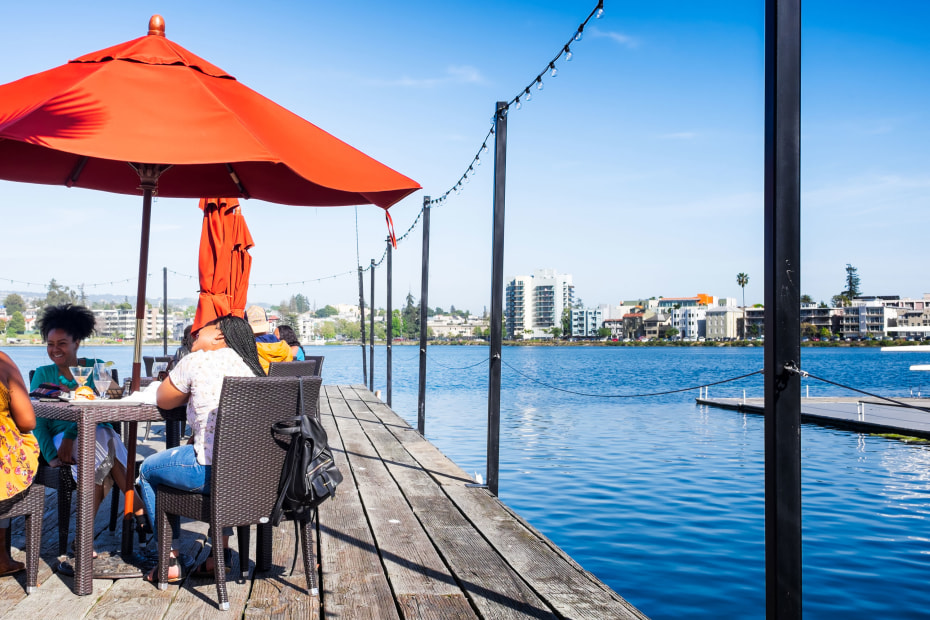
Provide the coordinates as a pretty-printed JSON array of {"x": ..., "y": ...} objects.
[
  {"x": 527, "y": 95},
  {"x": 518, "y": 103},
  {"x": 600, "y": 11},
  {"x": 484, "y": 147},
  {"x": 579, "y": 34},
  {"x": 477, "y": 161},
  {"x": 539, "y": 83},
  {"x": 552, "y": 70},
  {"x": 568, "y": 54}
]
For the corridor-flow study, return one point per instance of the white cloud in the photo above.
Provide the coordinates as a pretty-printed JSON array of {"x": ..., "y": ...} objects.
[
  {"x": 618, "y": 37},
  {"x": 681, "y": 135},
  {"x": 462, "y": 74}
]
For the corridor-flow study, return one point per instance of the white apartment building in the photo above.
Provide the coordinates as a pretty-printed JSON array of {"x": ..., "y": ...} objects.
[
  {"x": 109, "y": 323},
  {"x": 691, "y": 322},
  {"x": 534, "y": 303},
  {"x": 586, "y": 321}
]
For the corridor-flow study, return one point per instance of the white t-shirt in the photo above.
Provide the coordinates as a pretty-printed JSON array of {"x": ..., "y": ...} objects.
[{"x": 201, "y": 374}]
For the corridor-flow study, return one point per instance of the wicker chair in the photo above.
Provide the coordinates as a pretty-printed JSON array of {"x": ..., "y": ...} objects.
[
  {"x": 30, "y": 504},
  {"x": 246, "y": 469},
  {"x": 310, "y": 367}
]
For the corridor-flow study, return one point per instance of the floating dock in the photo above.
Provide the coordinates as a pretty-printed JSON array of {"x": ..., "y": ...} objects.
[
  {"x": 865, "y": 415},
  {"x": 405, "y": 537}
]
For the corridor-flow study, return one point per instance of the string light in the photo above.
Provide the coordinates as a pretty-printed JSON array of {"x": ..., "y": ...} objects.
[
  {"x": 539, "y": 83},
  {"x": 552, "y": 70},
  {"x": 568, "y": 54},
  {"x": 527, "y": 95}
]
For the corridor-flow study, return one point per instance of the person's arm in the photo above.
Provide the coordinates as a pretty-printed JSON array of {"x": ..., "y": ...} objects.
[
  {"x": 24, "y": 416},
  {"x": 169, "y": 396}
]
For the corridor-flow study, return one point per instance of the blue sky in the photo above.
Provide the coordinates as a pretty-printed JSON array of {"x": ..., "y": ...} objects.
[{"x": 638, "y": 169}]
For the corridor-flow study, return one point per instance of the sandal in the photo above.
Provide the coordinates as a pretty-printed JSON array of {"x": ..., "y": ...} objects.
[
  {"x": 151, "y": 576},
  {"x": 203, "y": 572}
]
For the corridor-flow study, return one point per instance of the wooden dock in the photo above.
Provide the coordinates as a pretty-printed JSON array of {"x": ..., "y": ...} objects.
[
  {"x": 404, "y": 538},
  {"x": 865, "y": 415}
]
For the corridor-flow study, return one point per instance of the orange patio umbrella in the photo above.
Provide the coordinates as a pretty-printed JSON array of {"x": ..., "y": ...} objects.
[
  {"x": 224, "y": 261},
  {"x": 149, "y": 115}
]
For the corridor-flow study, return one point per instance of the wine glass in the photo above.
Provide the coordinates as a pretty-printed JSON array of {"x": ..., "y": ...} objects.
[
  {"x": 80, "y": 374},
  {"x": 102, "y": 379}
]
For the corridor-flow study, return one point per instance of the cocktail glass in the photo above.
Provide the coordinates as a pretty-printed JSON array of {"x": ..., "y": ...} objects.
[
  {"x": 81, "y": 373},
  {"x": 102, "y": 379}
]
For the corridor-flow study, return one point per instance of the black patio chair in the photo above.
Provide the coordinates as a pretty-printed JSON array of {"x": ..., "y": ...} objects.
[{"x": 246, "y": 469}]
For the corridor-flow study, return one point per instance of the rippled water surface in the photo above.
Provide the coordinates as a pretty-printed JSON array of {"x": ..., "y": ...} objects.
[{"x": 662, "y": 499}]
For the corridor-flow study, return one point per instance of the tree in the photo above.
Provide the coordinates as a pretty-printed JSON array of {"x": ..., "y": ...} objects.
[
  {"x": 852, "y": 282},
  {"x": 14, "y": 303},
  {"x": 16, "y": 324},
  {"x": 397, "y": 324},
  {"x": 807, "y": 299},
  {"x": 742, "y": 280},
  {"x": 840, "y": 301},
  {"x": 555, "y": 331},
  {"x": 825, "y": 333},
  {"x": 58, "y": 294},
  {"x": 671, "y": 332},
  {"x": 411, "y": 319},
  {"x": 328, "y": 330},
  {"x": 326, "y": 311},
  {"x": 301, "y": 304},
  {"x": 567, "y": 321},
  {"x": 603, "y": 332}
]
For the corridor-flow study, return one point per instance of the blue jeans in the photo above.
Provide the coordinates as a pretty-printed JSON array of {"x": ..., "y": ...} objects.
[{"x": 177, "y": 468}]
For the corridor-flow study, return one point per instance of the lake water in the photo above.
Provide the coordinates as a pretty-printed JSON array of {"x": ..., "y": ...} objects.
[{"x": 663, "y": 499}]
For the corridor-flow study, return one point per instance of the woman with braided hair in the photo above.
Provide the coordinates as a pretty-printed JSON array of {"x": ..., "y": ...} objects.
[{"x": 222, "y": 348}]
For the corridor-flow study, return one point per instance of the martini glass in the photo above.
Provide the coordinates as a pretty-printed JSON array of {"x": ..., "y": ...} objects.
[
  {"x": 80, "y": 374},
  {"x": 102, "y": 379}
]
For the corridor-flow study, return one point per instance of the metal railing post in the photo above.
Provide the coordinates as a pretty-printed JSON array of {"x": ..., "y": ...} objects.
[
  {"x": 497, "y": 297},
  {"x": 164, "y": 323},
  {"x": 371, "y": 341},
  {"x": 424, "y": 301},
  {"x": 389, "y": 328},
  {"x": 782, "y": 264},
  {"x": 361, "y": 312}
]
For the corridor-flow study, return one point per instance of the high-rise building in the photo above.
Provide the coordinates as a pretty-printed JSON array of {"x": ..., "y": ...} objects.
[{"x": 534, "y": 304}]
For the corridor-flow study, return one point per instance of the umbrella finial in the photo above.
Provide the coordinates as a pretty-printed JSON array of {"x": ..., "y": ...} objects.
[{"x": 157, "y": 25}]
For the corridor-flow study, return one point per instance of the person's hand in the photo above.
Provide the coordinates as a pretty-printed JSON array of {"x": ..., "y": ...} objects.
[
  {"x": 56, "y": 462},
  {"x": 66, "y": 450}
]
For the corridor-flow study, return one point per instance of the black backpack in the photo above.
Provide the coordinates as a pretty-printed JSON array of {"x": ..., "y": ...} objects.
[{"x": 309, "y": 475}]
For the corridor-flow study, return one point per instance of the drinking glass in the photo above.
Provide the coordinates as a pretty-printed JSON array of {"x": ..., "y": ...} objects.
[
  {"x": 80, "y": 373},
  {"x": 159, "y": 370},
  {"x": 102, "y": 379}
]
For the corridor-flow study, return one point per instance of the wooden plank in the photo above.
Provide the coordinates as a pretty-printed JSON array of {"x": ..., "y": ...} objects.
[
  {"x": 279, "y": 593},
  {"x": 493, "y": 586},
  {"x": 354, "y": 584},
  {"x": 548, "y": 570},
  {"x": 412, "y": 564}
]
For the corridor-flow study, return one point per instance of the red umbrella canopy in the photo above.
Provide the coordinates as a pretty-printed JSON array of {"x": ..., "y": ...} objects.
[
  {"x": 151, "y": 101},
  {"x": 224, "y": 261}
]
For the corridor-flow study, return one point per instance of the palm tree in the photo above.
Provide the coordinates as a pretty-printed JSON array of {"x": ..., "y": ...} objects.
[{"x": 742, "y": 280}]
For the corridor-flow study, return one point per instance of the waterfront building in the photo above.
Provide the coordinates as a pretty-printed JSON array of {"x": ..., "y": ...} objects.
[
  {"x": 691, "y": 321},
  {"x": 616, "y": 328},
  {"x": 754, "y": 321},
  {"x": 668, "y": 303},
  {"x": 820, "y": 318},
  {"x": 869, "y": 318},
  {"x": 586, "y": 321},
  {"x": 633, "y": 326},
  {"x": 450, "y": 327},
  {"x": 534, "y": 303},
  {"x": 122, "y": 322},
  {"x": 911, "y": 324},
  {"x": 656, "y": 324},
  {"x": 723, "y": 322}
]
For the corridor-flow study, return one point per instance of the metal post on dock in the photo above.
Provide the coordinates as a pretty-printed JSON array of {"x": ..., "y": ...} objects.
[
  {"x": 497, "y": 297},
  {"x": 361, "y": 312},
  {"x": 782, "y": 351},
  {"x": 389, "y": 328},
  {"x": 424, "y": 298},
  {"x": 371, "y": 341},
  {"x": 164, "y": 322}
]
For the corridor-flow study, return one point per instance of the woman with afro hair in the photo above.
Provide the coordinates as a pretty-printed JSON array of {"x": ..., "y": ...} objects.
[{"x": 63, "y": 328}]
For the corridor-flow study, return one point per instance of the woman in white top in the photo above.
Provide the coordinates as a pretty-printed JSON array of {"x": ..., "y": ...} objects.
[{"x": 222, "y": 348}]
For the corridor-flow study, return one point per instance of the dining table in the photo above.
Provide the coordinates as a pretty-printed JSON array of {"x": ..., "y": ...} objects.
[{"x": 87, "y": 415}]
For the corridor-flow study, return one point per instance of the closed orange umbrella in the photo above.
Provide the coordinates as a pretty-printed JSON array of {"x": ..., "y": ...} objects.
[{"x": 223, "y": 261}]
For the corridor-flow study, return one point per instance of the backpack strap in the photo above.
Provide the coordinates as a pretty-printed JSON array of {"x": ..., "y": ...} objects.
[{"x": 290, "y": 458}]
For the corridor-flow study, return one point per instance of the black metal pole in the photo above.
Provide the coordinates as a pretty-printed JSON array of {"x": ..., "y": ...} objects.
[
  {"x": 371, "y": 342},
  {"x": 782, "y": 308},
  {"x": 424, "y": 304},
  {"x": 361, "y": 313},
  {"x": 389, "y": 328},
  {"x": 497, "y": 296},
  {"x": 164, "y": 323}
]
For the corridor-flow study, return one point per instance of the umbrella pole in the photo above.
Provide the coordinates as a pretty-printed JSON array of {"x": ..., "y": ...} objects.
[{"x": 148, "y": 175}]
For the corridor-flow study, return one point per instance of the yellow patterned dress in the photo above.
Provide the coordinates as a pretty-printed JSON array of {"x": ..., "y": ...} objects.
[{"x": 19, "y": 452}]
